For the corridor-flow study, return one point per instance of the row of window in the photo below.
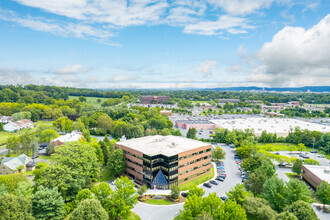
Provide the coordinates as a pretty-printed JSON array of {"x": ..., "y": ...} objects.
[
  {"x": 194, "y": 161},
  {"x": 192, "y": 176},
  {"x": 194, "y": 154},
  {"x": 194, "y": 168}
]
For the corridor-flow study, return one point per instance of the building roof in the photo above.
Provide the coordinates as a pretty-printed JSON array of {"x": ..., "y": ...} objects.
[
  {"x": 322, "y": 172},
  {"x": 166, "y": 145},
  {"x": 73, "y": 136},
  {"x": 194, "y": 121},
  {"x": 14, "y": 162}
]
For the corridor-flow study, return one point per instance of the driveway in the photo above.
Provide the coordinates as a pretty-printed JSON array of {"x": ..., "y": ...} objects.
[{"x": 151, "y": 212}]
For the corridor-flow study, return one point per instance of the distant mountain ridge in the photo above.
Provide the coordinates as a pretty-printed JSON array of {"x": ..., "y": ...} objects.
[{"x": 284, "y": 89}]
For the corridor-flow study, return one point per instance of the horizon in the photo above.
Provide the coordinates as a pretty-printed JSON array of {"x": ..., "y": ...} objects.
[{"x": 165, "y": 44}]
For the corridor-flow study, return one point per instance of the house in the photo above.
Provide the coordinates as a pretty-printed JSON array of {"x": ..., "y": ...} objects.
[
  {"x": 73, "y": 136},
  {"x": 9, "y": 165},
  {"x": 294, "y": 104},
  {"x": 166, "y": 112},
  {"x": 6, "y": 119},
  {"x": 18, "y": 125}
]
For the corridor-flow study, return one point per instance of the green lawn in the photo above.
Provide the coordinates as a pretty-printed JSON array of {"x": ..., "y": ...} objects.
[
  {"x": 106, "y": 174},
  {"x": 131, "y": 216},
  {"x": 290, "y": 175},
  {"x": 159, "y": 202},
  {"x": 197, "y": 181},
  {"x": 45, "y": 157},
  {"x": 90, "y": 100},
  {"x": 4, "y": 135},
  {"x": 277, "y": 146}
]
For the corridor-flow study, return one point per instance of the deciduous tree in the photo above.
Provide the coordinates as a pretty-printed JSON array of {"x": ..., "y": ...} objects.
[
  {"x": 116, "y": 163},
  {"x": 218, "y": 154},
  {"x": 323, "y": 193},
  {"x": 14, "y": 207},
  {"x": 89, "y": 209},
  {"x": 274, "y": 193}
]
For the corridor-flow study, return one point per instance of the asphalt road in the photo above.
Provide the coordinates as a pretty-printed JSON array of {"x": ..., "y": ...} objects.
[{"x": 151, "y": 212}]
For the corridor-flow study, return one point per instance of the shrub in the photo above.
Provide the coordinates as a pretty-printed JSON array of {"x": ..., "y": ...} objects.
[{"x": 259, "y": 208}]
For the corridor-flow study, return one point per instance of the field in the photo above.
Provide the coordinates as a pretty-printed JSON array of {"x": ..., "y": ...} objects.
[
  {"x": 90, "y": 100},
  {"x": 277, "y": 146},
  {"x": 197, "y": 181}
]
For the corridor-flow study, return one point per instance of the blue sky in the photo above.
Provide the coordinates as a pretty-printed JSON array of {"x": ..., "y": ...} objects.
[{"x": 165, "y": 44}]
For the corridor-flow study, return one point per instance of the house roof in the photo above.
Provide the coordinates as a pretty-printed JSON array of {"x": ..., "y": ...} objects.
[{"x": 14, "y": 162}]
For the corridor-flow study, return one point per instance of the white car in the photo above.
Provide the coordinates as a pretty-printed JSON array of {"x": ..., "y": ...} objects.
[{"x": 320, "y": 156}]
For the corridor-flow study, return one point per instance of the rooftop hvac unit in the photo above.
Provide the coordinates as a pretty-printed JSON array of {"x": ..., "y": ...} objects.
[{"x": 326, "y": 170}]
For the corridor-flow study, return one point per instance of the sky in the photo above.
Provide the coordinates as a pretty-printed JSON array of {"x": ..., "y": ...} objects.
[{"x": 175, "y": 44}]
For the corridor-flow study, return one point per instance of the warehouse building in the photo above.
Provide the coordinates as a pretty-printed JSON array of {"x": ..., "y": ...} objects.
[
  {"x": 198, "y": 124},
  {"x": 162, "y": 161},
  {"x": 154, "y": 99}
]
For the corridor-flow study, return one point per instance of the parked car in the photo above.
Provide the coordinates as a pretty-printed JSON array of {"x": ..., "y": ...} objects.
[
  {"x": 231, "y": 146},
  {"x": 213, "y": 182},
  {"x": 36, "y": 156},
  {"x": 184, "y": 194},
  {"x": 208, "y": 185},
  {"x": 223, "y": 175},
  {"x": 313, "y": 151},
  {"x": 224, "y": 198},
  {"x": 219, "y": 178},
  {"x": 320, "y": 156},
  {"x": 277, "y": 153}
]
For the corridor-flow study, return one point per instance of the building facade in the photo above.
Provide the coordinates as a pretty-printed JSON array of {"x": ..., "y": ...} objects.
[
  {"x": 162, "y": 161},
  {"x": 314, "y": 175},
  {"x": 198, "y": 124}
]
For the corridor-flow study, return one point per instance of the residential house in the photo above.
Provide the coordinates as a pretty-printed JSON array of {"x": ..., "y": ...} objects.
[
  {"x": 73, "y": 136},
  {"x": 18, "y": 125},
  {"x": 9, "y": 165}
]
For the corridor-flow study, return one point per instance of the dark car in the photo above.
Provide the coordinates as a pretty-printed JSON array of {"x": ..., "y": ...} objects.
[
  {"x": 208, "y": 185},
  {"x": 223, "y": 175},
  {"x": 184, "y": 194},
  {"x": 213, "y": 182},
  {"x": 277, "y": 153},
  {"x": 314, "y": 152},
  {"x": 224, "y": 198},
  {"x": 219, "y": 178}
]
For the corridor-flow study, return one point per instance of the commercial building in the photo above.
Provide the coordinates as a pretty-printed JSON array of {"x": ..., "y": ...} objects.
[
  {"x": 314, "y": 175},
  {"x": 162, "y": 161},
  {"x": 198, "y": 124},
  {"x": 154, "y": 99},
  {"x": 166, "y": 112}
]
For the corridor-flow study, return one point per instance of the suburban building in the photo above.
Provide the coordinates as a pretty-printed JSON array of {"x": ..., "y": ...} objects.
[
  {"x": 224, "y": 101},
  {"x": 294, "y": 104},
  {"x": 10, "y": 165},
  {"x": 162, "y": 161},
  {"x": 166, "y": 112},
  {"x": 18, "y": 125},
  {"x": 273, "y": 114},
  {"x": 314, "y": 175},
  {"x": 5, "y": 119},
  {"x": 198, "y": 124},
  {"x": 154, "y": 99},
  {"x": 73, "y": 136}
]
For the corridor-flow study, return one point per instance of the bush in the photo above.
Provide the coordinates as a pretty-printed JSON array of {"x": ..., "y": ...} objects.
[
  {"x": 302, "y": 210},
  {"x": 259, "y": 208}
]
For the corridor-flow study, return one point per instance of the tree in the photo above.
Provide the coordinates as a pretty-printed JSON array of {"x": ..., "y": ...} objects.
[
  {"x": 24, "y": 189},
  {"x": 82, "y": 99},
  {"x": 191, "y": 133},
  {"x": 193, "y": 207},
  {"x": 80, "y": 158},
  {"x": 1, "y": 126},
  {"x": 230, "y": 210},
  {"x": 258, "y": 208},
  {"x": 274, "y": 193},
  {"x": 3, "y": 189},
  {"x": 323, "y": 193},
  {"x": 14, "y": 207},
  {"x": 285, "y": 216},
  {"x": 252, "y": 163},
  {"x": 302, "y": 210},
  {"x": 105, "y": 123},
  {"x": 47, "y": 135},
  {"x": 12, "y": 181},
  {"x": 79, "y": 125},
  {"x": 48, "y": 204},
  {"x": 13, "y": 143},
  {"x": 175, "y": 192},
  {"x": 89, "y": 209},
  {"x": 195, "y": 190},
  {"x": 296, "y": 167},
  {"x": 50, "y": 149},
  {"x": 238, "y": 194},
  {"x": 116, "y": 163},
  {"x": 82, "y": 195},
  {"x": 218, "y": 154},
  {"x": 297, "y": 190},
  {"x": 142, "y": 190},
  {"x": 165, "y": 132}
]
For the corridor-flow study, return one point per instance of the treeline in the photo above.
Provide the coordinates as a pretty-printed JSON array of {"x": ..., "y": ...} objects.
[{"x": 300, "y": 112}]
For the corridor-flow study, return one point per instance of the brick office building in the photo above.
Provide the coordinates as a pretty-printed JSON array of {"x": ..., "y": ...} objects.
[
  {"x": 162, "y": 161},
  {"x": 154, "y": 99},
  {"x": 198, "y": 124},
  {"x": 314, "y": 175}
]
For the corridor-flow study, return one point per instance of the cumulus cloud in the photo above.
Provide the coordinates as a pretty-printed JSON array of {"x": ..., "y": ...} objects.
[
  {"x": 206, "y": 67},
  {"x": 296, "y": 56},
  {"x": 69, "y": 69},
  {"x": 122, "y": 78}
]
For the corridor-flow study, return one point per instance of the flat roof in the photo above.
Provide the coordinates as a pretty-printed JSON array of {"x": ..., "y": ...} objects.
[
  {"x": 271, "y": 125},
  {"x": 166, "y": 145},
  {"x": 195, "y": 121},
  {"x": 322, "y": 172}
]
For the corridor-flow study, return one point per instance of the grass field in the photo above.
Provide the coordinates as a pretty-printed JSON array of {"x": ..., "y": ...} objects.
[
  {"x": 106, "y": 174},
  {"x": 277, "y": 146},
  {"x": 90, "y": 100},
  {"x": 131, "y": 216},
  {"x": 197, "y": 181},
  {"x": 159, "y": 202}
]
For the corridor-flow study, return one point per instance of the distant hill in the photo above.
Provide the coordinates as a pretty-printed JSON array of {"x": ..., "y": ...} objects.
[{"x": 284, "y": 89}]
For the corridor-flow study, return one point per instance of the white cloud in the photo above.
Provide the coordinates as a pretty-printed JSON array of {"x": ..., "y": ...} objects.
[
  {"x": 206, "y": 66},
  {"x": 122, "y": 78},
  {"x": 241, "y": 7},
  {"x": 296, "y": 57},
  {"x": 234, "y": 25},
  {"x": 70, "y": 69}
]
